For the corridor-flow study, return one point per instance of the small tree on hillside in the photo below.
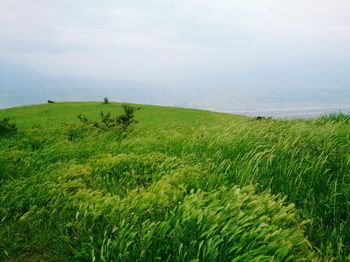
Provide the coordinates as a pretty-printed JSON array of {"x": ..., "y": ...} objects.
[
  {"x": 107, "y": 122},
  {"x": 128, "y": 117}
]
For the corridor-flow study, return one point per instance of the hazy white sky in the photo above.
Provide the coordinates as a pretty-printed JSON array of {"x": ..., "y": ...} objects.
[{"x": 179, "y": 41}]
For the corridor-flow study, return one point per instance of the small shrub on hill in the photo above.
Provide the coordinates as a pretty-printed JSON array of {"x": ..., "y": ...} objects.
[
  {"x": 7, "y": 128},
  {"x": 128, "y": 117},
  {"x": 107, "y": 122},
  {"x": 31, "y": 143},
  {"x": 84, "y": 120},
  {"x": 74, "y": 133}
]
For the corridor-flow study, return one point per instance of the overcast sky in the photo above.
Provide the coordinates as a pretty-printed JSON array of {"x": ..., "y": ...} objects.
[{"x": 181, "y": 41}]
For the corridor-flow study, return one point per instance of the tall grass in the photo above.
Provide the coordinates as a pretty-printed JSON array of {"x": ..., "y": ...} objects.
[
  {"x": 336, "y": 117},
  {"x": 177, "y": 187}
]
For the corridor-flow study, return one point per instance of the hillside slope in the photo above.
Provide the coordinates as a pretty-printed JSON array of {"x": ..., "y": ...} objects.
[{"x": 181, "y": 184}]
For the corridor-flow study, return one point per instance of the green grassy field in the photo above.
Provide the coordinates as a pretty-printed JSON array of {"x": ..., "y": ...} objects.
[{"x": 180, "y": 185}]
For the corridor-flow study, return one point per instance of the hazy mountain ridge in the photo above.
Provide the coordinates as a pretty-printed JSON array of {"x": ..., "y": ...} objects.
[{"x": 23, "y": 86}]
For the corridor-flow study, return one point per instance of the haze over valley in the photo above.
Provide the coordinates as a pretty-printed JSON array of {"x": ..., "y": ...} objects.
[
  {"x": 280, "y": 58},
  {"x": 24, "y": 86}
]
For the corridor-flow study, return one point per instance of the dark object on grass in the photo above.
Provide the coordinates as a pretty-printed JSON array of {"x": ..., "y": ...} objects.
[
  {"x": 7, "y": 128},
  {"x": 260, "y": 118},
  {"x": 50, "y": 101},
  {"x": 105, "y": 100}
]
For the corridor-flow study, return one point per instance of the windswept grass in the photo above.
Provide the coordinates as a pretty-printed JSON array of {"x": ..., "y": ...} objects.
[
  {"x": 182, "y": 184},
  {"x": 336, "y": 117}
]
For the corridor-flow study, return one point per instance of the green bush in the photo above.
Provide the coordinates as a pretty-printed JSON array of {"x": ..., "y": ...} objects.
[
  {"x": 107, "y": 122},
  {"x": 128, "y": 117},
  {"x": 84, "y": 120},
  {"x": 74, "y": 132},
  {"x": 7, "y": 128}
]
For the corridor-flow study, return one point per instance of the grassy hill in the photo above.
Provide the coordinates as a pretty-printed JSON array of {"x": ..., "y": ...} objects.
[{"x": 179, "y": 185}]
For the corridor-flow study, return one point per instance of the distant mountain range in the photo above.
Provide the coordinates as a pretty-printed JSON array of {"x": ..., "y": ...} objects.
[{"x": 23, "y": 86}]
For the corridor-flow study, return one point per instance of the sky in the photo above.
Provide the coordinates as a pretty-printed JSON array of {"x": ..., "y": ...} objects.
[{"x": 184, "y": 43}]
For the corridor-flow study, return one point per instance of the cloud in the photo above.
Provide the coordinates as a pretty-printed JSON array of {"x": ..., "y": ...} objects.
[{"x": 178, "y": 41}]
